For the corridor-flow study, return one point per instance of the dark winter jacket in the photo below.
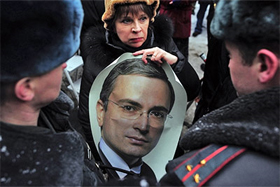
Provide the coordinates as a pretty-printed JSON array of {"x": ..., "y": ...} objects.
[
  {"x": 57, "y": 113},
  {"x": 36, "y": 156},
  {"x": 217, "y": 89},
  {"x": 100, "y": 49},
  {"x": 93, "y": 11},
  {"x": 207, "y": 1},
  {"x": 180, "y": 13},
  {"x": 250, "y": 121}
]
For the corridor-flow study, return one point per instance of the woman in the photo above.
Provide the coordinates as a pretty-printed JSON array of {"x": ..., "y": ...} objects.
[{"x": 130, "y": 26}]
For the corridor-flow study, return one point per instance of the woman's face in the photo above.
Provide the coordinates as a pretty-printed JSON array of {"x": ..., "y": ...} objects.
[{"x": 132, "y": 29}]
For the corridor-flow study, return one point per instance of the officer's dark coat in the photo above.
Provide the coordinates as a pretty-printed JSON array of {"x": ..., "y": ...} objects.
[{"x": 251, "y": 122}]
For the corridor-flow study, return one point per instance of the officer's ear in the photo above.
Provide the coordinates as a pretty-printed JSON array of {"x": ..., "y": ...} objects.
[
  {"x": 24, "y": 89},
  {"x": 100, "y": 112},
  {"x": 268, "y": 65}
]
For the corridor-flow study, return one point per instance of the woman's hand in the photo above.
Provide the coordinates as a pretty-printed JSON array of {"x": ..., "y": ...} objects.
[{"x": 157, "y": 55}]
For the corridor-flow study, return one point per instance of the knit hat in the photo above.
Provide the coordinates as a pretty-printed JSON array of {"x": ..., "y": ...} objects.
[
  {"x": 110, "y": 7},
  {"x": 38, "y": 36},
  {"x": 247, "y": 21}
]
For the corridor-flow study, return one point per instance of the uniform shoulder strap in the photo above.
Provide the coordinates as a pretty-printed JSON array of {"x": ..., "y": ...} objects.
[{"x": 198, "y": 169}]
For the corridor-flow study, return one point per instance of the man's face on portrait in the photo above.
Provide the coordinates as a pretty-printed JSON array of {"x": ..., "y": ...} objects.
[{"x": 135, "y": 115}]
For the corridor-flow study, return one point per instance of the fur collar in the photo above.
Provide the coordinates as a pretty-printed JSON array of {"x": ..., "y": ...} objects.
[
  {"x": 251, "y": 121},
  {"x": 95, "y": 48}
]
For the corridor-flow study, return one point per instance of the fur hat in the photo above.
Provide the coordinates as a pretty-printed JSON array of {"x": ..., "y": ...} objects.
[
  {"x": 110, "y": 7},
  {"x": 38, "y": 36},
  {"x": 249, "y": 21}
]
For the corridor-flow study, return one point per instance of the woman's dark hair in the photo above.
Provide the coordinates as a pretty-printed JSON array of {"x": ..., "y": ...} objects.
[
  {"x": 135, "y": 67},
  {"x": 125, "y": 9}
]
